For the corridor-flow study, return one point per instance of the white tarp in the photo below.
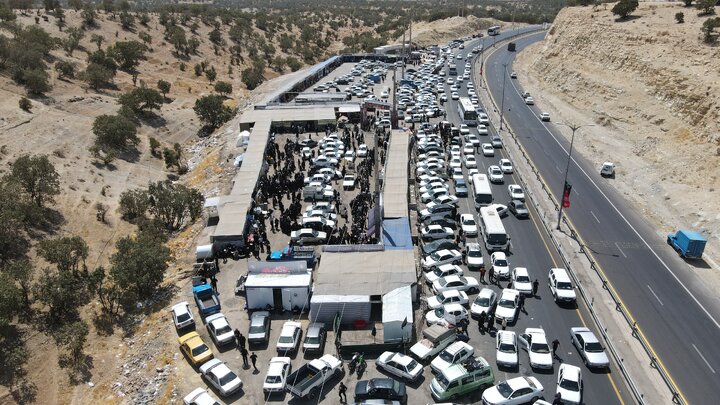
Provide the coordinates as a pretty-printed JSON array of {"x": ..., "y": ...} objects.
[{"x": 397, "y": 315}]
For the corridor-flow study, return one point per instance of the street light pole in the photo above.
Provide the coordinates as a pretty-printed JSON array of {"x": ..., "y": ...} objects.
[
  {"x": 502, "y": 101},
  {"x": 567, "y": 166}
]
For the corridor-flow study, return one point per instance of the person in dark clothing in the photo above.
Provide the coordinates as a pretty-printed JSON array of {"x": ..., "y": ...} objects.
[
  {"x": 239, "y": 338},
  {"x": 491, "y": 275},
  {"x": 522, "y": 303},
  {"x": 490, "y": 323},
  {"x": 341, "y": 390},
  {"x": 535, "y": 287},
  {"x": 555, "y": 345},
  {"x": 558, "y": 399},
  {"x": 244, "y": 354},
  {"x": 253, "y": 358},
  {"x": 481, "y": 322},
  {"x": 213, "y": 283}
]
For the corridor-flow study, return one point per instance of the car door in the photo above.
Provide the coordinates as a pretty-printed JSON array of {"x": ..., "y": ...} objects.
[
  {"x": 579, "y": 344},
  {"x": 525, "y": 340},
  {"x": 519, "y": 396}
]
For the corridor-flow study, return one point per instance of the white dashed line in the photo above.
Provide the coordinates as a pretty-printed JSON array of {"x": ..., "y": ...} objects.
[
  {"x": 656, "y": 297},
  {"x": 703, "y": 357},
  {"x": 596, "y": 218},
  {"x": 621, "y": 251}
]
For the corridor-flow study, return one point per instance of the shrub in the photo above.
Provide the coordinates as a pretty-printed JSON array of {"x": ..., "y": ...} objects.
[
  {"x": 623, "y": 8},
  {"x": 25, "y": 104},
  {"x": 680, "y": 17}
]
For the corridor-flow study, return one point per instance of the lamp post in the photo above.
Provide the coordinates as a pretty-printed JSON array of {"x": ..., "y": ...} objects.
[
  {"x": 502, "y": 101},
  {"x": 567, "y": 166}
]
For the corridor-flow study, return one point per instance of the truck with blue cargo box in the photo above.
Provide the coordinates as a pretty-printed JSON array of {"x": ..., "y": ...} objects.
[
  {"x": 206, "y": 299},
  {"x": 293, "y": 253},
  {"x": 688, "y": 244}
]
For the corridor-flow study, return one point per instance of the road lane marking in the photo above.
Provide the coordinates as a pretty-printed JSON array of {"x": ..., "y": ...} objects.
[
  {"x": 621, "y": 251},
  {"x": 596, "y": 218},
  {"x": 656, "y": 297},
  {"x": 558, "y": 169},
  {"x": 703, "y": 357}
]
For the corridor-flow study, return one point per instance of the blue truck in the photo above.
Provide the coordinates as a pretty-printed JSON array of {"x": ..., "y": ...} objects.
[
  {"x": 206, "y": 299},
  {"x": 688, "y": 244},
  {"x": 306, "y": 253}
]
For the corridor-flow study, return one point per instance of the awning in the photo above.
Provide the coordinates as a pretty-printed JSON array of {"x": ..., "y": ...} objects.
[{"x": 349, "y": 109}]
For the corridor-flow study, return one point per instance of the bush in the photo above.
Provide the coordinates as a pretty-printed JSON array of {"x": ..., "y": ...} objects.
[
  {"x": 211, "y": 74},
  {"x": 211, "y": 110},
  {"x": 37, "y": 176},
  {"x": 174, "y": 205},
  {"x": 114, "y": 132},
  {"x": 164, "y": 87},
  {"x": 36, "y": 81},
  {"x": 223, "y": 88},
  {"x": 134, "y": 204},
  {"x": 65, "y": 69},
  {"x": 253, "y": 76},
  {"x": 680, "y": 17},
  {"x": 127, "y": 54},
  {"x": 623, "y": 8},
  {"x": 24, "y": 104},
  {"x": 708, "y": 29},
  {"x": 706, "y": 7},
  {"x": 141, "y": 100}
]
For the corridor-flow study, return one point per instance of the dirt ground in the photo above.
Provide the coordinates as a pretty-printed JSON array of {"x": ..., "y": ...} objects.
[
  {"x": 442, "y": 31},
  {"x": 650, "y": 86}
]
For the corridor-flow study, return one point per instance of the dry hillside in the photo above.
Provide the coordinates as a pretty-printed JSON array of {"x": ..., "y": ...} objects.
[
  {"x": 651, "y": 87},
  {"x": 441, "y": 31}
]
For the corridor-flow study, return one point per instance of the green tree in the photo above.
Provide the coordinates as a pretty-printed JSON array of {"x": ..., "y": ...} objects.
[
  {"x": 127, "y": 54},
  {"x": 127, "y": 20},
  {"x": 36, "y": 81},
  {"x": 145, "y": 37},
  {"x": 37, "y": 177},
  {"x": 176, "y": 36},
  {"x": 706, "y": 7},
  {"x": 144, "y": 19},
  {"x": 141, "y": 100},
  {"x": 97, "y": 75},
  {"x": 154, "y": 145},
  {"x": 293, "y": 63},
  {"x": 103, "y": 59},
  {"x": 215, "y": 36},
  {"x": 25, "y": 104},
  {"x": 688, "y": 3},
  {"x": 75, "y": 4},
  {"x": 211, "y": 110},
  {"x": 164, "y": 87},
  {"x": 134, "y": 204},
  {"x": 680, "y": 17},
  {"x": 72, "y": 338},
  {"x": 62, "y": 293},
  {"x": 623, "y": 8},
  {"x": 174, "y": 204},
  {"x": 708, "y": 29},
  {"x": 114, "y": 132},
  {"x": 21, "y": 272},
  {"x": 68, "y": 254},
  {"x": 11, "y": 303},
  {"x": 192, "y": 45},
  {"x": 89, "y": 14},
  {"x": 211, "y": 74},
  {"x": 223, "y": 88},
  {"x": 65, "y": 69},
  {"x": 253, "y": 76},
  {"x": 6, "y": 14},
  {"x": 72, "y": 41},
  {"x": 198, "y": 69},
  {"x": 138, "y": 265},
  {"x": 97, "y": 39}
]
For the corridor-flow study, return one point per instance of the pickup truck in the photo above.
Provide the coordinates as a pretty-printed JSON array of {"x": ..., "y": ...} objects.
[
  {"x": 688, "y": 244},
  {"x": 435, "y": 339},
  {"x": 307, "y": 381},
  {"x": 318, "y": 191},
  {"x": 306, "y": 253},
  {"x": 206, "y": 299}
]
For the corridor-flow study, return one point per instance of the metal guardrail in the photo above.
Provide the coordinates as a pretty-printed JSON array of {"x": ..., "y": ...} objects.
[{"x": 589, "y": 301}]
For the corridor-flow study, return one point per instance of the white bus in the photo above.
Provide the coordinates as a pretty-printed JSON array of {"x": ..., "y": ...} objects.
[
  {"x": 494, "y": 30},
  {"x": 467, "y": 112},
  {"x": 493, "y": 231},
  {"x": 482, "y": 192}
]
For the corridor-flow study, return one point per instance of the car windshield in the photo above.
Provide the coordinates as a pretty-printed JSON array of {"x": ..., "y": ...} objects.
[
  {"x": 504, "y": 389},
  {"x": 475, "y": 253},
  {"x": 223, "y": 330},
  {"x": 439, "y": 272},
  {"x": 411, "y": 366},
  {"x": 539, "y": 348},
  {"x": 199, "y": 350},
  {"x": 469, "y": 221},
  {"x": 257, "y": 329},
  {"x": 569, "y": 385},
  {"x": 594, "y": 347},
  {"x": 507, "y": 303},
  {"x": 227, "y": 378},
  {"x": 564, "y": 286},
  {"x": 273, "y": 379},
  {"x": 286, "y": 339},
  {"x": 483, "y": 301},
  {"x": 442, "y": 381},
  {"x": 447, "y": 356},
  {"x": 522, "y": 279},
  {"x": 312, "y": 340},
  {"x": 183, "y": 317},
  {"x": 507, "y": 348},
  {"x": 519, "y": 205},
  {"x": 501, "y": 262}
]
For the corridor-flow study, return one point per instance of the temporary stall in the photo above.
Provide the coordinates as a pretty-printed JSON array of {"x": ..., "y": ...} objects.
[
  {"x": 284, "y": 284},
  {"x": 396, "y": 233},
  {"x": 397, "y": 315},
  {"x": 243, "y": 138},
  {"x": 352, "y": 308}
]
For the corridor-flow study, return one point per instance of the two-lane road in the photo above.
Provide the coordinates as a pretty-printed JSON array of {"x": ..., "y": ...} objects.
[{"x": 675, "y": 312}]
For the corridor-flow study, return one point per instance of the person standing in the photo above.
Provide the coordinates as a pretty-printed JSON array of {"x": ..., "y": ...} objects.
[
  {"x": 504, "y": 323},
  {"x": 481, "y": 322},
  {"x": 213, "y": 283},
  {"x": 253, "y": 358},
  {"x": 244, "y": 354},
  {"x": 536, "y": 284},
  {"x": 558, "y": 399},
  {"x": 491, "y": 275},
  {"x": 239, "y": 338},
  {"x": 522, "y": 303},
  {"x": 490, "y": 323},
  {"x": 555, "y": 345},
  {"x": 341, "y": 390},
  {"x": 482, "y": 274}
]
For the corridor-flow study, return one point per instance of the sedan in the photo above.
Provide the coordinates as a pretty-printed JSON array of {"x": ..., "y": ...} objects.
[
  {"x": 484, "y": 302},
  {"x": 348, "y": 182},
  {"x": 506, "y": 350},
  {"x": 182, "y": 316},
  {"x": 399, "y": 365},
  {"x": 518, "y": 390},
  {"x": 447, "y": 297},
  {"x": 473, "y": 140},
  {"x": 259, "y": 330},
  {"x": 454, "y": 95},
  {"x": 569, "y": 384},
  {"x": 535, "y": 343},
  {"x": 487, "y": 149},
  {"x": 433, "y": 194},
  {"x": 277, "y": 374},
  {"x": 500, "y": 265},
  {"x": 474, "y": 256},
  {"x": 307, "y": 235},
  {"x": 194, "y": 348},
  {"x": 516, "y": 192},
  {"x": 456, "y": 353},
  {"x": 468, "y": 149},
  {"x": 513, "y": 75},
  {"x": 467, "y": 284},
  {"x": 518, "y": 209},
  {"x": 441, "y": 271},
  {"x": 508, "y": 304},
  {"x": 219, "y": 329},
  {"x": 521, "y": 281},
  {"x": 529, "y": 100},
  {"x": 468, "y": 224},
  {"x": 470, "y": 162},
  {"x": 314, "y": 338},
  {"x": 502, "y": 210},
  {"x": 199, "y": 396},
  {"x": 379, "y": 388},
  {"x": 589, "y": 347},
  {"x": 432, "y": 232},
  {"x": 495, "y": 175},
  {"x": 506, "y": 166},
  {"x": 289, "y": 338},
  {"x": 219, "y": 375},
  {"x": 362, "y": 150},
  {"x": 450, "y": 314},
  {"x": 544, "y": 116}
]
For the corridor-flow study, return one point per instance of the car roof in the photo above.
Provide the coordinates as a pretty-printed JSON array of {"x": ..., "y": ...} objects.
[
  {"x": 560, "y": 274},
  {"x": 453, "y": 307},
  {"x": 402, "y": 359},
  {"x": 509, "y": 291},
  {"x": 217, "y": 319},
  {"x": 506, "y": 336},
  {"x": 290, "y": 326},
  {"x": 499, "y": 255},
  {"x": 276, "y": 365},
  {"x": 486, "y": 292},
  {"x": 181, "y": 307},
  {"x": 587, "y": 335},
  {"x": 517, "y": 383},
  {"x": 259, "y": 316},
  {"x": 457, "y": 346},
  {"x": 521, "y": 271},
  {"x": 570, "y": 372},
  {"x": 315, "y": 328}
]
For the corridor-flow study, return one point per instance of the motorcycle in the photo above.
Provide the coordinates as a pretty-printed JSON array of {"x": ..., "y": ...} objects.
[
  {"x": 353, "y": 362},
  {"x": 361, "y": 365}
]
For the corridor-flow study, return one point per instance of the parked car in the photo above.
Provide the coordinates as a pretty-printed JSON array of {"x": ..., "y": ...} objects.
[
  {"x": 529, "y": 100},
  {"x": 487, "y": 149},
  {"x": 219, "y": 375},
  {"x": 314, "y": 338},
  {"x": 521, "y": 280},
  {"x": 289, "y": 338},
  {"x": 500, "y": 265},
  {"x": 445, "y": 256},
  {"x": 307, "y": 235},
  {"x": 277, "y": 373},
  {"x": 182, "y": 316},
  {"x": 259, "y": 329},
  {"x": 432, "y": 232},
  {"x": 441, "y": 271},
  {"x": 515, "y": 391},
  {"x": 507, "y": 307},
  {"x": 192, "y": 345},
  {"x": 348, "y": 182},
  {"x": 589, "y": 347},
  {"x": 506, "y": 166},
  {"x": 453, "y": 354},
  {"x": 219, "y": 329},
  {"x": 447, "y": 297},
  {"x": 535, "y": 343},
  {"x": 506, "y": 349},
  {"x": 472, "y": 375},
  {"x": 469, "y": 225},
  {"x": 399, "y": 365},
  {"x": 544, "y": 116},
  {"x": 446, "y": 315},
  {"x": 474, "y": 256},
  {"x": 569, "y": 384},
  {"x": 484, "y": 302},
  {"x": 468, "y": 284},
  {"x": 380, "y": 388},
  {"x": 199, "y": 396},
  {"x": 495, "y": 175}
]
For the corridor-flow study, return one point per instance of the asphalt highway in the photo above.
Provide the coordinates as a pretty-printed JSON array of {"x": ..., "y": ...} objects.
[
  {"x": 530, "y": 248},
  {"x": 675, "y": 312}
]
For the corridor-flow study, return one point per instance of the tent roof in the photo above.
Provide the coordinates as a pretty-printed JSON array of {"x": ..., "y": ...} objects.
[
  {"x": 397, "y": 305},
  {"x": 364, "y": 273},
  {"x": 395, "y": 186},
  {"x": 396, "y": 233},
  {"x": 278, "y": 267},
  {"x": 278, "y": 280}
]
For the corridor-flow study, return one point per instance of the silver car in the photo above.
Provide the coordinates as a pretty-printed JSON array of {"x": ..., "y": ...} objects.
[{"x": 314, "y": 338}]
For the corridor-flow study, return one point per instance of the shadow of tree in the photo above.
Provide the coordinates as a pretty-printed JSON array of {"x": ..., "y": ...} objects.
[{"x": 24, "y": 391}]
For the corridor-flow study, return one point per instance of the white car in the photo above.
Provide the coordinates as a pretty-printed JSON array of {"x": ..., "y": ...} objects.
[
  {"x": 501, "y": 209},
  {"x": 544, "y": 116},
  {"x": 446, "y": 199},
  {"x": 219, "y": 375},
  {"x": 199, "y": 396},
  {"x": 433, "y": 185},
  {"x": 289, "y": 338},
  {"x": 277, "y": 374},
  {"x": 560, "y": 286},
  {"x": 529, "y": 100},
  {"x": 400, "y": 365},
  {"x": 436, "y": 232},
  {"x": 219, "y": 329},
  {"x": 447, "y": 297},
  {"x": 569, "y": 384},
  {"x": 323, "y": 161},
  {"x": 589, "y": 347},
  {"x": 182, "y": 316},
  {"x": 516, "y": 391},
  {"x": 535, "y": 342},
  {"x": 450, "y": 314},
  {"x": 362, "y": 150},
  {"x": 500, "y": 265},
  {"x": 474, "y": 256},
  {"x": 454, "y": 95},
  {"x": 467, "y": 284},
  {"x": 484, "y": 302},
  {"x": 506, "y": 166},
  {"x": 456, "y": 353},
  {"x": 521, "y": 281},
  {"x": 470, "y": 162},
  {"x": 507, "y": 307},
  {"x": 468, "y": 149},
  {"x": 468, "y": 224},
  {"x": 441, "y": 257},
  {"x": 487, "y": 149},
  {"x": 495, "y": 175},
  {"x": 482, "y": 129},
  {"x": 506, "y": 350},
  {"x": 455, "y": 162},
  {"x": 433, "y": 194},
  {"x": 307, "y": 235},
  {"x": 513, "y": 75},
  {"x": 348, "y": 182},
  {"x": 516, "y": 192},
  {"x": 473, "y": 140},
  {"x": 443, "y": 271}
]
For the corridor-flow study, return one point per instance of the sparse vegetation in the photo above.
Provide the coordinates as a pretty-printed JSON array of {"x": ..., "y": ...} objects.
[
  {"x": 706, "y": 7},
  {"x": 680, "y": 17},
  {"x": 623, "y": 8},
  {"x": 25, "y": 104},
  {"x": 708, "y": 29}
]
